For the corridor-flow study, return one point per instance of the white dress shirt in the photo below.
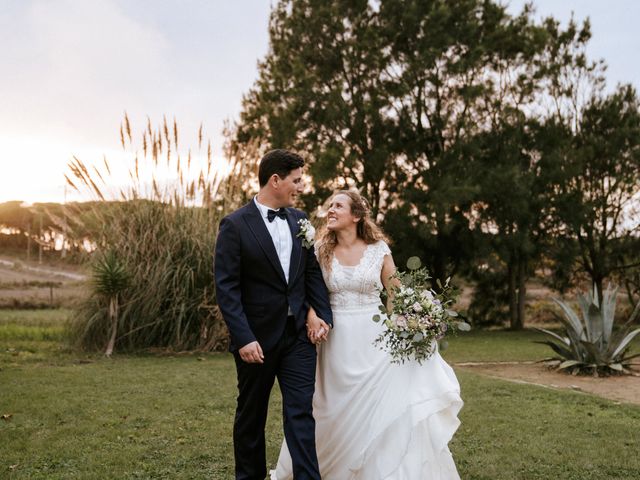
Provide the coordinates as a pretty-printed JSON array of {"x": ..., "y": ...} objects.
[{"x": 281, "y": 236}]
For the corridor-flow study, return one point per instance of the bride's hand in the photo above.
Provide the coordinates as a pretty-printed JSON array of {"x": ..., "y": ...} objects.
[{"x": 317, "y": 329}]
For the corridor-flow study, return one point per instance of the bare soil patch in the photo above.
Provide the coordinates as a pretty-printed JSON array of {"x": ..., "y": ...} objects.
[
  {"x": 618, "y": 388},
  {"x": 24, "y": 285}
]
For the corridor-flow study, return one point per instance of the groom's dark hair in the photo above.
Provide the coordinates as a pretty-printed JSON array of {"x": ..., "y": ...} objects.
[{"x": 280, "y": 162}]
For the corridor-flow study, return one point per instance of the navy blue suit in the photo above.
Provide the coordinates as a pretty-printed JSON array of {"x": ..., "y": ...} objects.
[{"x": 255, "y": 299}]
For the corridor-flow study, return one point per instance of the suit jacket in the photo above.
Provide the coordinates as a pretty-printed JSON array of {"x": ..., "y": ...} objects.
[{"x": 251, "y": 288}]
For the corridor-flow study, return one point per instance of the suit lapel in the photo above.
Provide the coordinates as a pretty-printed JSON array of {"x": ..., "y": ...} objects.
[
  {"x": 256, "y": 224},
  {"x": 296, "y": 250}
]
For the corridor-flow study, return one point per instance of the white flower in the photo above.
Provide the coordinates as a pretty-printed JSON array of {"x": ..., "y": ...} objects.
[
  {"x": 310, "y": 234},
  {"x": 307, "y": 232},
  {"x": 416, "y": 307},
  {"x": 427, "y": 294}
]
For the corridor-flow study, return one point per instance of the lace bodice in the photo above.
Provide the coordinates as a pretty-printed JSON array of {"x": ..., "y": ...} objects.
[{"x": 360, "y": 285}]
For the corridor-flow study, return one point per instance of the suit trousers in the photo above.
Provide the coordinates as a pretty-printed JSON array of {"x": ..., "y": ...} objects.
[{"x": 293, "y": 362}]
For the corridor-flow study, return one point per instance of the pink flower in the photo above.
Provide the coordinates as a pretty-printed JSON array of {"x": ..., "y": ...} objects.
[{"x": 401, "y": 321}]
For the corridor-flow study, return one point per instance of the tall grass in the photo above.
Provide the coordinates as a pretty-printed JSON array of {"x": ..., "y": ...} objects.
[{"x": 164, "y": 234}]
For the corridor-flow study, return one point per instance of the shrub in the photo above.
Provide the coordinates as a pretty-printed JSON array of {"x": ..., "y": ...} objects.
[
  {"x": 164, "y": 239},
  {"x": 590, "y": 344}
]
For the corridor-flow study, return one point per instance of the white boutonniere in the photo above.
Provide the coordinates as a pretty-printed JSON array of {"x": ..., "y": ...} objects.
[{"x": 307, "y": 233}]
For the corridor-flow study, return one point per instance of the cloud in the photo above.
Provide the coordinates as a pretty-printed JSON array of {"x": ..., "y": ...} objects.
[
  {"x": 70, "y": 68},
  {"x": 78, "y": 61}
]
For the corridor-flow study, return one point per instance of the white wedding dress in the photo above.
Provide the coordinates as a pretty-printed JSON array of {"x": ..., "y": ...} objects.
[{"x": 376, "y": 420}]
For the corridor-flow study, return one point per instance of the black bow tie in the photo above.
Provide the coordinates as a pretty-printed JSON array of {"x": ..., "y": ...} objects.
[{"x": 281, "y": 212}]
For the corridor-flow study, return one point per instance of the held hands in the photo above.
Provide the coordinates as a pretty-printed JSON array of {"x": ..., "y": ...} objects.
[
  {"x": 317, "y": 329},
  {"x": 251, "y": 353}
]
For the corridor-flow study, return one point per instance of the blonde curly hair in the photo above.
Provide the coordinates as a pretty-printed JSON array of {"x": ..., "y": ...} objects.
[{"x": 366, "y": 228}]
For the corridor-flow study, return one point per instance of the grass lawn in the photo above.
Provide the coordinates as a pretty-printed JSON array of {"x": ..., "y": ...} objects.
[{"x": 82, "y": 416}]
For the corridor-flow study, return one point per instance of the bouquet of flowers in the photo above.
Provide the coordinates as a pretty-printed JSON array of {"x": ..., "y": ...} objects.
[{"x": 419, "y": 316}]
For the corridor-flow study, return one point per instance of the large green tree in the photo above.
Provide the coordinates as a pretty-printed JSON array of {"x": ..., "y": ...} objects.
[
  {"x": 384, "y": 96},
  {"x": 321, "y": 91},
  {"x": 601, "y": 196},
  {"x": 458, "y": 120}
]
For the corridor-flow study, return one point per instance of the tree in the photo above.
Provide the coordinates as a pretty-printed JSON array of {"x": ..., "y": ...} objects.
[
  {"x": 321, "y": 91},
  {"x": 601, "y": 195},
  {"x": 110, "y": 280},
  {"x": 383, "y": 97}
]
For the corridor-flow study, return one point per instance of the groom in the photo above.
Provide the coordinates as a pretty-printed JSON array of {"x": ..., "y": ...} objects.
[{"x": 265, "y": 282}]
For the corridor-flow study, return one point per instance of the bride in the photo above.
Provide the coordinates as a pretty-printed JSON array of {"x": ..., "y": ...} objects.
[{"x": 374, "y": 420}]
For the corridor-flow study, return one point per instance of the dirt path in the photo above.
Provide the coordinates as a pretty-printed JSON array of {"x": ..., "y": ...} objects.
[
  {"x": 9, "y": 271},
  {"x": 618, "y": 388}
]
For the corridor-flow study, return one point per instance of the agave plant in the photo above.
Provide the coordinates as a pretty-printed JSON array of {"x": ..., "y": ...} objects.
[
  {"x": 110, "y": 279},
  {"x": 590, "y": 344}
]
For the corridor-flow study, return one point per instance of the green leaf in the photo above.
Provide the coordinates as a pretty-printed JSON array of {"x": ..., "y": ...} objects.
[
  {"x": 463, "y": 326},
  {"x": 452, "y": 313},
  {"x": 594, "y": 322},
  {"x": 414, "y": 263},
  {"x": 616, "y": 366},
  {"x": 110, "y": 277},
  {"x": 608, "y": 311},
  {"x": 559, "y": 349},
  {"x": 564, "y": 340},
  {"x": 572, "y": 320},
  {"x": 377, "y": 318},
  {"x": 624, "y": 343},
  {"x": 568, "y": 363},
  {"x": 596, "y": 356}
]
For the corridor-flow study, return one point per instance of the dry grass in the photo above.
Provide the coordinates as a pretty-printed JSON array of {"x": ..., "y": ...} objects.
[{"x": 164, "y": 232}]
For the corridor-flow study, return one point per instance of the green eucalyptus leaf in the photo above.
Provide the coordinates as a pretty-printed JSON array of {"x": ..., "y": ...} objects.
[
  {"x": 463, "y": 326},
  {"x": 414, "y": 263}
]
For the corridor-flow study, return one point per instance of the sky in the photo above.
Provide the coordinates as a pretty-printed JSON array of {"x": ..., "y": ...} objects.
[{"x": 71, "y": 68}]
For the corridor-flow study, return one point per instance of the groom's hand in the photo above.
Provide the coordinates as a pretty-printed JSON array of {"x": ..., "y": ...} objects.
[
  {"x": 251, "y": 353},
  {"x": 317, "y": 329},
  {"x": 322, "y": 332}
]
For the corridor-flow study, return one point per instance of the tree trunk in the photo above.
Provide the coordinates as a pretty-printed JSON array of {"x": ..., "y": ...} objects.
[
  {"x": 522, "y": 295},
  {"x": 40, "y": 243},
  {"x": 513, "y": 307},
  {"x": 113, "y": 316}
]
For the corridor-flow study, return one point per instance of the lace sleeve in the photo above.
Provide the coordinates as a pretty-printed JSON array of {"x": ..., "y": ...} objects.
[{"x": 381, "y": 249}]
